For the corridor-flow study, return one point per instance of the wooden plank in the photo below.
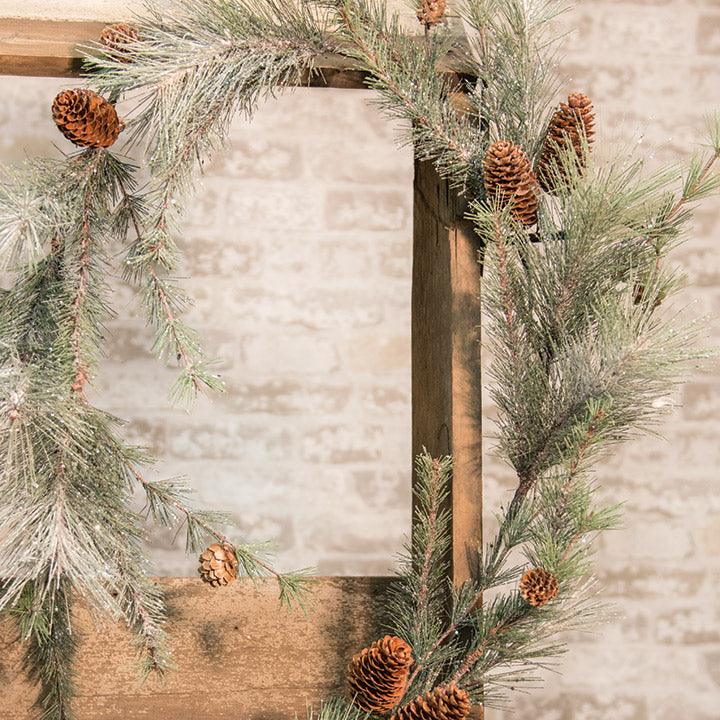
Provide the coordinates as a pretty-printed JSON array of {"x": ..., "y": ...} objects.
[
  {"x": 49, "y": 47},
  {"x": 238, "y": 655},
  {"x": 44, "y": 47},
  {"x": 446, "y": 378}
]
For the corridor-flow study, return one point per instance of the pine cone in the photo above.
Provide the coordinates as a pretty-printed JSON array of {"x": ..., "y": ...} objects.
[
  {"x": 218, "y": 565},
  {"x": 116, "y": 38},
  {"x": 86, "y": 118},
  {"x": 570, "y": 124},
  {"x": 509, "y": 178},
  {"x": 378, "y": 674},
  {"x": 538, "y": 586},
  {"x": 443, "y": 703},
  {"x": 431, "y": 12}
]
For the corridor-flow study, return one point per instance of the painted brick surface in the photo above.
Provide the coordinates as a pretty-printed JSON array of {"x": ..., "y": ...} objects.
[{"x": 298, "y": 256}]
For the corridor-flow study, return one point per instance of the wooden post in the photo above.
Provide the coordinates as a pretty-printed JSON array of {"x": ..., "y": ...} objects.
[{"x": 446, "y": 378}]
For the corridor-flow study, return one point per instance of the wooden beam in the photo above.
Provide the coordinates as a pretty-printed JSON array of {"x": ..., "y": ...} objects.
[
  {"x": 51, "y": 48},
  {"x": 44, "y": 47},
  {"x": 446, "y": 381},
  {"x": 238, "y": 655}
]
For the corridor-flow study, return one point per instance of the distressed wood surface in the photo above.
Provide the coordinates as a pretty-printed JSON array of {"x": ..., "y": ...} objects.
[
  {"x": 239, "y": 655},
  {"x": 51, "y": 48},
  {"x": 446, "y": 382},
  {"x": 48, "y": 44}
]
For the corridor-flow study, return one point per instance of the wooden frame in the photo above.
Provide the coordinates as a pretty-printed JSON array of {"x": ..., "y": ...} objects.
[{"x": 238, "y": 654}]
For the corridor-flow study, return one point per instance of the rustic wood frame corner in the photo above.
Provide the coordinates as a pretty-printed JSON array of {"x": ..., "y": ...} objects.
[{"x": 238, "y": 654}]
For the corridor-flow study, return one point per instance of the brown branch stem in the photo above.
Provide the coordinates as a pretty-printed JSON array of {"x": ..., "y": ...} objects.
[
  {"x": 472, "y": 658},
  {"x": 79, "y": 364},
  {"x": 529, "y": 477}
]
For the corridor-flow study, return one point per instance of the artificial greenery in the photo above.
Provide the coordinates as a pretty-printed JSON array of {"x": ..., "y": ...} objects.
[
  {"x": 582, "y": 356},
  {"x": 67, "y": 477}
]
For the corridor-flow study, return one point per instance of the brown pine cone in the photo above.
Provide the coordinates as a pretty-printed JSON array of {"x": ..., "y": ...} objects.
[
  {"x": 572, "y": 122},
  {"x": 443, "y": 703},
  {"x": 509, "y": 178},
  {"x": 116, "y": 38},
  {"x": 218, "y": 565},
  {"x": 378, "y": 674},
  {"x": 431, "y": 12},
  {"x": 86, "y": 118},
  {"x": 538, "y": 586}
]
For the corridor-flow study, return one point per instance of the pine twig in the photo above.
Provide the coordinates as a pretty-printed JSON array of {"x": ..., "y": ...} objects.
[
  {"x": 476, "y": 655},
  {"x": 431, "y": 543},
  {"x": 180, "y": 349},
  {"x": 50, "y": 653},
  {"x": 290, "y": 585},
  {"x": 81, "y": 370},
  {"x": 504, "y": 283},
  {"x": 377, "y": 68},
  {"x": 686, "y": 197}
]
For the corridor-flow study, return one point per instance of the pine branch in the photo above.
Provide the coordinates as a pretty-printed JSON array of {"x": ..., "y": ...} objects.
[
  {"x": 697, "y": 186},
  {"x": 336, "y": 709},
  {"x": 142, "y": 605},
  {"x": 417, "y": 603},
  {"x": 477, "y": 654},
  {"x": 508, "y": 308},
  {"x": 163, "y": 309},
  {"x": 168, "y": 504},
  {"x": 23, "y": 219},
  {"x": 51, "y": 649},
  {"x": 194, "y": 68},
  {"x": 398, "y": 70},
  {"x": 83, "y": 280},
  {"x": 431, "y": 544}
]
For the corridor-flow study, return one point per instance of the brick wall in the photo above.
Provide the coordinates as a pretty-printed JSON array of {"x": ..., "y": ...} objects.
[{"x": 298, "y": 251}]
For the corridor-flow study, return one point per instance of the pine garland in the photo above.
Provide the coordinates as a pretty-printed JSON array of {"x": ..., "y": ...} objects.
[{"x": 579, "y": 356}]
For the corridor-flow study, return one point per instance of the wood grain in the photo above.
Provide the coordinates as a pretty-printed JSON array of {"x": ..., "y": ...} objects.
[
  {"x": 446, "y": 378},
  {"x": 51, "y": 48},
  {"x": 238, "y": 655},
  {"x": 42, "y": 47}
]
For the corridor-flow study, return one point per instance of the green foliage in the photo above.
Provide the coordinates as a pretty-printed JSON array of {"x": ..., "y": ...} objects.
[
  {"x": 336, "y": 709},
  {"x": 403, "y": 72},
  {"x": 50, "y": 649},
  {"x": 418, "y": 599},
  {"x": 514, "y": 47}
]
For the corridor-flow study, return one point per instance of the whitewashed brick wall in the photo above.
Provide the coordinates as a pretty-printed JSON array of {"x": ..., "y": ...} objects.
[{"x": 298, "y": 251}]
